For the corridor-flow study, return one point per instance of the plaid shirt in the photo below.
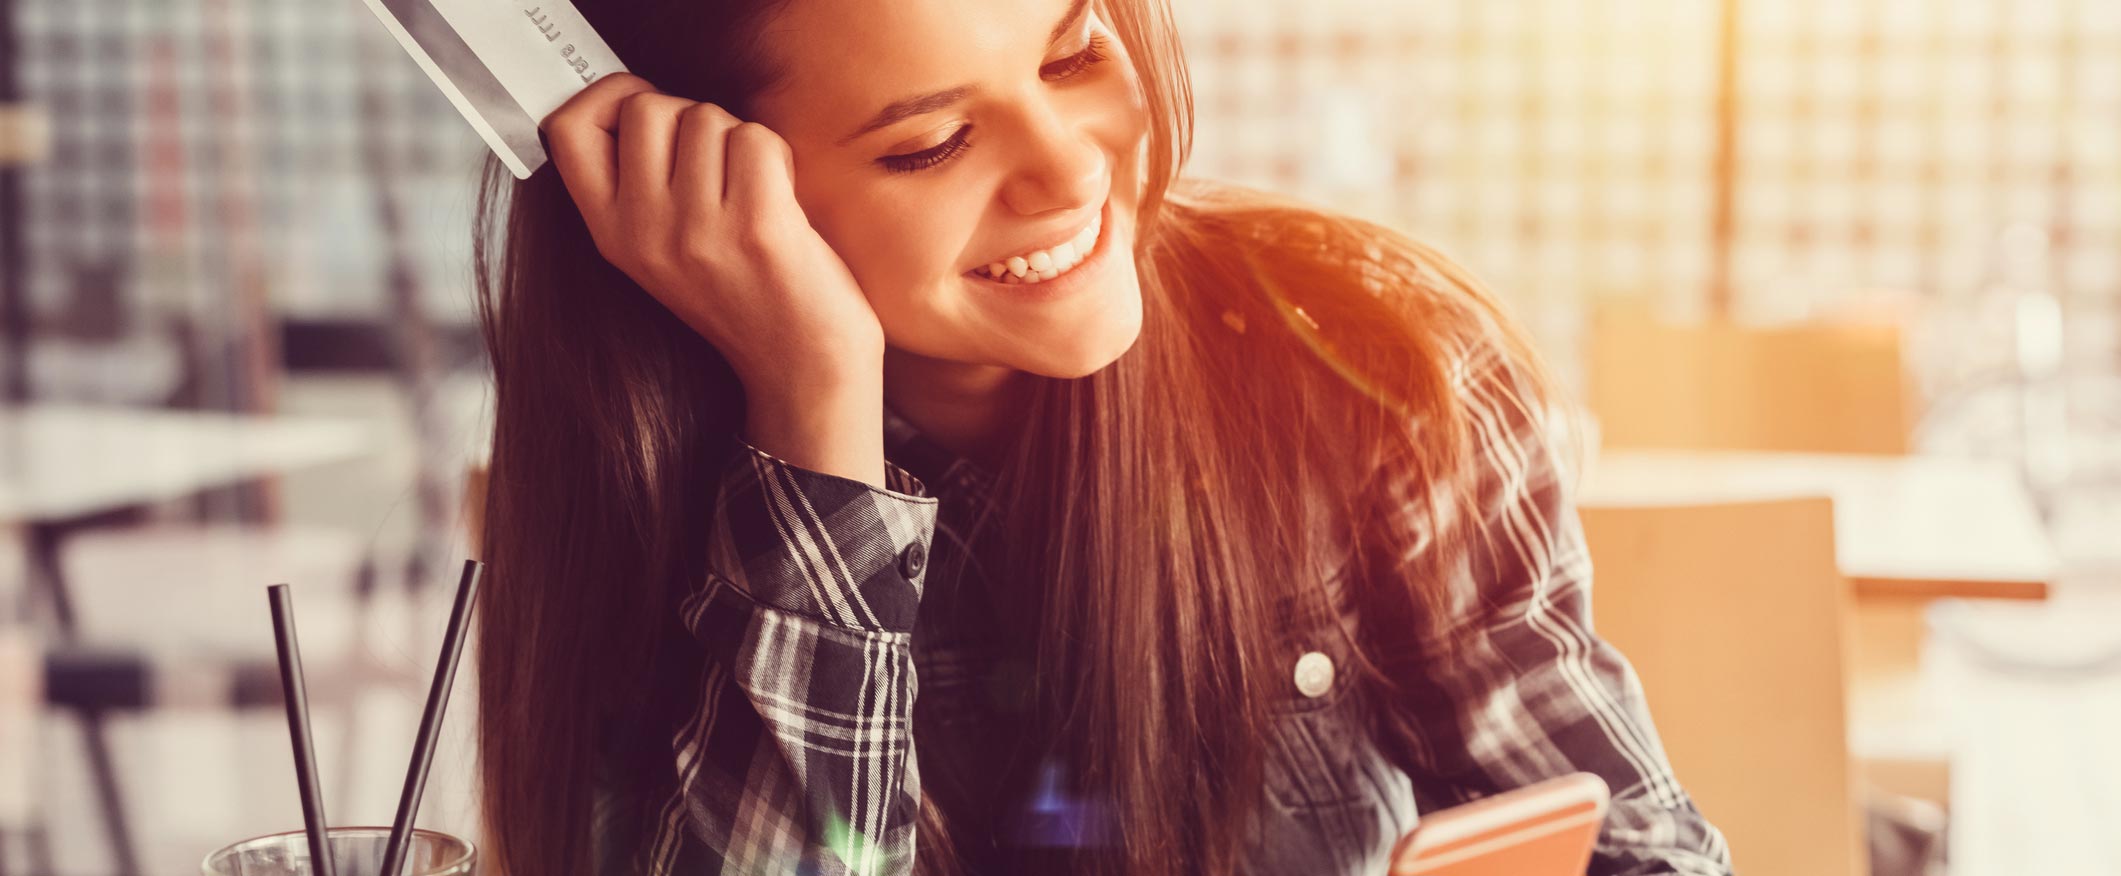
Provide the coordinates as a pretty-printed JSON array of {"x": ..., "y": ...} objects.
[{"x": 800, "y": 756}]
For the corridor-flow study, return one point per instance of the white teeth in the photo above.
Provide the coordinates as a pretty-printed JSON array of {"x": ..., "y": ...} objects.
[{"x": 1047, "y": 264}]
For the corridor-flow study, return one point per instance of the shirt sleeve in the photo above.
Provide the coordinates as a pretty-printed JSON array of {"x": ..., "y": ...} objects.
[
  {"x": 799, "y": 758},
  {"x": 1530, "y": 691}
]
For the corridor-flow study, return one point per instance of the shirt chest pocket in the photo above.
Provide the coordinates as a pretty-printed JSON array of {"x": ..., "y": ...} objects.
[{"x": 1315, "y": 747}]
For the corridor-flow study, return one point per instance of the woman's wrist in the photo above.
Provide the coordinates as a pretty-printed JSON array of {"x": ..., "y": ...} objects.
[{"x": 836, "y": 428}]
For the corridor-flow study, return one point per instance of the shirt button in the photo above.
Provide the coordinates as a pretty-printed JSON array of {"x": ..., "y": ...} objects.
[
  {"x": 912, "y": 560},
  {"x": 1314, "y": 674}
]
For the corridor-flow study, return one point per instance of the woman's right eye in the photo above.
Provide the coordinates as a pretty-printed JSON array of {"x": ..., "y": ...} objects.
[{"x": 929, "y": 158}]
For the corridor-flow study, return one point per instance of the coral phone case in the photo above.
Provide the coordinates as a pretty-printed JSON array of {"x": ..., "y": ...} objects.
[{"x": 1542, "y": 829}]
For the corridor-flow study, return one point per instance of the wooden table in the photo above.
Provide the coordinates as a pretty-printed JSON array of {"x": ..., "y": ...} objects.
[{"x": 1907, "y": 526}]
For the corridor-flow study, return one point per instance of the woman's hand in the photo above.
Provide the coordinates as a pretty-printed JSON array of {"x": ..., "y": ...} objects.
[{"x": 698, "y": 207}]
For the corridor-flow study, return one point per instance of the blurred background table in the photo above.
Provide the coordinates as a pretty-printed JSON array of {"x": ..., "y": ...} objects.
[
  {"x": 59, "y": 462},
  {"x": 1904, "y": 526},
  {"x": 65, "y": 467}
]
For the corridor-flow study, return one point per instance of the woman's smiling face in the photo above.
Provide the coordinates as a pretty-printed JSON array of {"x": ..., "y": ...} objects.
[{"x": 934, "y": 137}]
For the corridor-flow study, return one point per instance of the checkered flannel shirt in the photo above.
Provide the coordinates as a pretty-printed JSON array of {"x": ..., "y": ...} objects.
[{"x": 800, "y": 756}]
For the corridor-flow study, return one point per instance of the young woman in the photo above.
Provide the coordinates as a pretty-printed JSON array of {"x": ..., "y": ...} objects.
[{"x": 898, "y": 469}]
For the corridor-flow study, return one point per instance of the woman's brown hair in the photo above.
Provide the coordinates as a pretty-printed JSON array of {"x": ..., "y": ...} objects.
[{"x": 1152, "y": 513}]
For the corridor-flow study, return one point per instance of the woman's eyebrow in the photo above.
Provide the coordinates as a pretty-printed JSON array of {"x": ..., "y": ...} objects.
[{"x": 907, "y": 108}]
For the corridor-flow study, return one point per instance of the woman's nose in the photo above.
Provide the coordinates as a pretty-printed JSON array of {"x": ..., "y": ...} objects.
[{"x": 1060, "y": 167}]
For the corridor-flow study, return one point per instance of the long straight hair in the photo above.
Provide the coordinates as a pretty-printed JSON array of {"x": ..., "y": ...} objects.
[{"x": 1291, "y": 361}]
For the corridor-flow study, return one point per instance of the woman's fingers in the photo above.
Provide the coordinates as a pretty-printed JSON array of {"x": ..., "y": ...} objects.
[
  {"x": 697, "y": 179},
  {"x": 582, "y": 135},
  {"x": 760, "y": 169},
  {"x": 698, "y": 208},
  {"x": 621, "y": 140},
  {"x": 648, "y": 123}
]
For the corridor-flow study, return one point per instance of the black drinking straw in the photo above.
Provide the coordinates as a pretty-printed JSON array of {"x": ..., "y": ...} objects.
[
  {"x": 431, "y": 720},
  {"x": 283, "y": 628}
]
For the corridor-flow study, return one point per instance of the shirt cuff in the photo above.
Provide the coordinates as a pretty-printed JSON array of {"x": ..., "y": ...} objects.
[{"x": 837, "y": 549}]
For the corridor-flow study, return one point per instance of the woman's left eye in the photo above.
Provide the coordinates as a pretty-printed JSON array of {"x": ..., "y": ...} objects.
[
  {"x": 1066, "y": 68},
  {"x": 1080, "y": 61},
  {"x": 930, "y": 158}
]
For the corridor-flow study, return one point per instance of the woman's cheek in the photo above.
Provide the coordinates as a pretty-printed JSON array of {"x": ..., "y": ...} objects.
[{"x": 899, "y": 257}]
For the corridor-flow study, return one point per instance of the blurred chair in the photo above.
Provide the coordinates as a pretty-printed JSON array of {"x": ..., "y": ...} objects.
[
  {"x": 168, "y": 612},
  {"x": 1816, "y": 387},
  {"x": 1840, "y": 385},
  {"x": 172, "y": 616},
  {"x": 1736, "y": 618}
]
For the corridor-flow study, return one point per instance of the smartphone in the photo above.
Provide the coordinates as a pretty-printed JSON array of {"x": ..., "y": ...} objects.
[{"x": 1542, "y": 829}]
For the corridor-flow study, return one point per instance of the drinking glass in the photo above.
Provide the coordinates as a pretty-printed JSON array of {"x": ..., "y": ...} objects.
[{"x": 355, "y": 851}]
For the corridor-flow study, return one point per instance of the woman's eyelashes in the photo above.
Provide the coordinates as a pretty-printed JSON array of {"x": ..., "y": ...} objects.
[
  {"x": 1092, "y": 52},
  {"x": 1066, "y": 68},
  {"x": 930, "y": 158}
]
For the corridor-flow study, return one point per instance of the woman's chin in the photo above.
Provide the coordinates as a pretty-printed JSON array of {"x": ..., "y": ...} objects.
[{"x": 1085, "y": 353}]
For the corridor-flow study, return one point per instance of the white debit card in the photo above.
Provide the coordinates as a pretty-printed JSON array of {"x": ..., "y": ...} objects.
[{"x": 504, "y": 64}]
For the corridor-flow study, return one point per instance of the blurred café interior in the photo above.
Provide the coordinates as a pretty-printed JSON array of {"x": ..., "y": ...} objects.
[{"x": 1838, "y": 282}]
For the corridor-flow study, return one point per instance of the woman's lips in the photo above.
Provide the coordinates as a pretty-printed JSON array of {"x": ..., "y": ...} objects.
[
  {"x": 1091, "y": 263},
  {"x": 1057, "y": 259}
]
